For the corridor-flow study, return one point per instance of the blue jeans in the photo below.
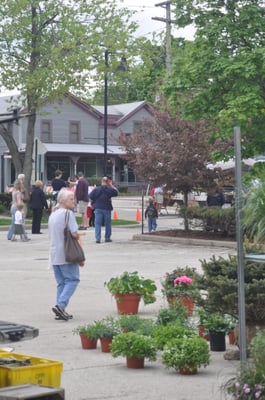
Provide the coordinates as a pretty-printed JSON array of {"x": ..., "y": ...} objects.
[
  {"x": 67, "y": 278},
  {"x": 152, "y": 225},
  {"x": 100, "y": 217},
  {"x": 11, "y": 229}
]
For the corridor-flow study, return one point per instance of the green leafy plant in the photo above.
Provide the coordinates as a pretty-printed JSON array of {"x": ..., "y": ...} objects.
[
  {"x": 180, "y": 282},
  {"x": 89, "y": 330},
  {"x": 249, "y": 382},
  {"x": 188, "y": 353},
  {"x": 176, "y": 312},
  {"x": 217, "y": 323},
  {"x": 163, "y": 334},
  {"x": 133, "y": 344},
  {"x": 132, "y": 282},
  {"x": 219, "y": 281},
  {"x": 133, "y": 323},
  {"x": 107, "y": 327}
]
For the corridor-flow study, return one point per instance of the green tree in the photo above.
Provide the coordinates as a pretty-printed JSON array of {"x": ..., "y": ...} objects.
[
  {"x": 222, "y": 77},
  {"x": 50, "y": 47}
]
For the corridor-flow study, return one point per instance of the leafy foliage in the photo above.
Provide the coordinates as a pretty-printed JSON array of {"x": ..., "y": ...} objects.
[
  {"x": 176, "y": 312},
  {"x": 133, "y": 344},
  {"x": 134, "y": 323},
  {"x": 132, "y": 282},
  {"x": 165, "y": 333},
  {"x": 219, "y": 281},
  {"x": 254, "y": 211},
  {"x": 222, "y": 74},
  {"x": 169, "y": 289},
  {"x": 188, "y": 353}
]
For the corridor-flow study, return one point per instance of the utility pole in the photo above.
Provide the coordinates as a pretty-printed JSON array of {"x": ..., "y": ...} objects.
[{"x": 168, "y": 21}]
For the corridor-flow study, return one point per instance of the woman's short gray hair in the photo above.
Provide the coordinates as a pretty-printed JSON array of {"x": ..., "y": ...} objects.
[{"x": 64, "y": 195}]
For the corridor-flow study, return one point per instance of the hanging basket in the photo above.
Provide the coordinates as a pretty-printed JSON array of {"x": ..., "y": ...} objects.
[{"x": 127, "y": 303}]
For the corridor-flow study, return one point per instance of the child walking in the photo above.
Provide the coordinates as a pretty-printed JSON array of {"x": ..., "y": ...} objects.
[
  {"x": 19, "y": 224},
  {"x": 151, "y": 214}
]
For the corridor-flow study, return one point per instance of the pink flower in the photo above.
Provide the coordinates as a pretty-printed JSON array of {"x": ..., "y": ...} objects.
[{"x": 186, "y": 280}]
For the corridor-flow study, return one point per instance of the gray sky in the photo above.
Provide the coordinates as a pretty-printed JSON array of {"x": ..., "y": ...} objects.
[{"x": 144, "y": 14}]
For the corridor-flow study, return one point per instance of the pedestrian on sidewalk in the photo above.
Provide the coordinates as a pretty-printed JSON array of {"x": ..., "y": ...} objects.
[
  {"x": 66, "y": 274},
  {"x": 37, "y": 202},
  {"x": 81, "y": 195},
  {"x": 19, "y": 196},
  {"x": 19, "y": 224},
  {"x": 151, "y": 214},
  {"x": 101, "y": 202}
]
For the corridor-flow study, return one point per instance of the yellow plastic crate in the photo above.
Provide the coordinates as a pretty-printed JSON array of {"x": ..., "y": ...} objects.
[{"x": 41, "y": 371}]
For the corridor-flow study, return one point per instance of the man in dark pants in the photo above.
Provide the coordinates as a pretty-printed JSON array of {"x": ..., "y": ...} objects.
[
  {"x": 101, "y": 199},
  {"x": 81, "y": 195},
  {"x": 37, "y": 202}
]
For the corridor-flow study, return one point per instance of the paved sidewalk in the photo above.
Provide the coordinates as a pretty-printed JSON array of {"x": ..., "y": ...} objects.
[{"x": 27, "y": 290}]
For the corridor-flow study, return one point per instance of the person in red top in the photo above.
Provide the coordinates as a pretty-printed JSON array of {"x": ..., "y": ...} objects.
[{"x": 81, "y": 196}]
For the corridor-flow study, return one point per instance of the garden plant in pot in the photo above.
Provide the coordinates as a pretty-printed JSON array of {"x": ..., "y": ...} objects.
[
  {"x": 88, "y": 335},
  {"x": 186, "y": 354},
  {"x": 217, "y": 325},
  {"x": 135, "y": 347},
  {"x": 134, "y": 323},
  {"x": 179, "y": 286},
  {"x": 163, "y": 334},
  {"x": 128, "y": 289},
  {"x": 106, "y": 329},
  {"x": 249, "y": 381}
]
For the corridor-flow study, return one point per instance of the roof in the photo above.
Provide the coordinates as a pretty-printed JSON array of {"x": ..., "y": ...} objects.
[{"x": 81, "y": 148}]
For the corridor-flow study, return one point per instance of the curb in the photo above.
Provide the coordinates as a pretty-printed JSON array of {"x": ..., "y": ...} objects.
[{"x": 186, "y": 241}]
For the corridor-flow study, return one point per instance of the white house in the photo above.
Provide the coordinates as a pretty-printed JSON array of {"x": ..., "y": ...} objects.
[{"x": 70, "y": 136}]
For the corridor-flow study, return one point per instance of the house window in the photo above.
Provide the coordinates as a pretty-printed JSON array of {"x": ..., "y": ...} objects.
[
  {"x": 46, "y": 131},
  {"x": 138, "y": 126},
  {"x": 74, "y": 132}
]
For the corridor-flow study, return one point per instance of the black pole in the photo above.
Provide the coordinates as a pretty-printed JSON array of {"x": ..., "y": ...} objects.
[{"x": 106, "y": 54}]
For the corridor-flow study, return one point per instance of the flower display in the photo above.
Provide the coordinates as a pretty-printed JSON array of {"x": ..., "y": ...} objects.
[
  {"x": 247, "y": 389},
  {"x": 179, "y": 282}
]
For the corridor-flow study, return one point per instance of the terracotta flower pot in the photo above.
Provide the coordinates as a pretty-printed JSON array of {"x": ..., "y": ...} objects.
[
  {"x": 105, "y": 344},
  {"x": 88, "y": 343},
  {"x": 185, "y": 300},
  {"x": 188, "y": 371},
  {"x": 202, "y": 332},
  {"x": 127, "y": 303},
  {"x": 231, "y": 337},
  {"x": 133, "y": 362}
]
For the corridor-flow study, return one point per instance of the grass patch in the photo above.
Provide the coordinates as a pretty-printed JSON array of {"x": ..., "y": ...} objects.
[{"x": 119, "y": 222}]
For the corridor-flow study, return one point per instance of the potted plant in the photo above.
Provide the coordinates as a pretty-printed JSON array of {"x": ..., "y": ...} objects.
[
  {"x": 168, "y": 315},
  {"x": 249, "y": 381},
  {"x": 135, "y": 347},
  {"x": 163, "y": 334},
  {"x": 217, "y": 325},
  {"x": 128, "y": 289},
  {"x": 186, "y": 354},
  {"x": 179, "y": 286},
  {"x": 88, "y": 335},
  {"x": 133, "y": 323},
  {"x": 106, "y": 329}
]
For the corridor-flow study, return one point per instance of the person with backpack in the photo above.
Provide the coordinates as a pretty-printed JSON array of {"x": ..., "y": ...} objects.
[{"x": 151, "y": 214}]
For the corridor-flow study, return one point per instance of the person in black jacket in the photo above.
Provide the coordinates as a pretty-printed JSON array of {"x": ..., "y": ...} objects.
[{"x": 38, "y": 202}]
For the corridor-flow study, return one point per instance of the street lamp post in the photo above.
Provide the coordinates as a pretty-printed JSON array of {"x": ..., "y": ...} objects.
[{"x": 106, "y": 55}]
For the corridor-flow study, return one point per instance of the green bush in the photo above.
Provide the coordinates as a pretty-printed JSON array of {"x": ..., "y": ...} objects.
[
  {"x": 6, "y": 200},
  {"x": 176, "y": 312},
  {"x": 217, "y": 219},
  {"x": 220, "y": 281},
  {"x": 163, "y": 334}
]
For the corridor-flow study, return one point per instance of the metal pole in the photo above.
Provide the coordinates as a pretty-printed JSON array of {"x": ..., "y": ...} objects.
[
  {"x": 240, "y": 251},
  {"x": 106, "y": 54}
]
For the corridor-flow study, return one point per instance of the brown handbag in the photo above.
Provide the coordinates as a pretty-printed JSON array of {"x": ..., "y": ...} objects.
[{"x": 72, "y": 249}]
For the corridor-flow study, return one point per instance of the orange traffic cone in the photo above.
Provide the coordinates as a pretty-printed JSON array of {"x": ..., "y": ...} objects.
[
  {"x": 138, "y": 215},
  {"x": 115, "y": 215}
]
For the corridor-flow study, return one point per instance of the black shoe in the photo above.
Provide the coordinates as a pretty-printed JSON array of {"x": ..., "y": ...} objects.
[
  {"x": 59, "y": 312},
  {"x": 97, "y": 241},
  {"x": 82, "y": 228},
  {"x": 108, "y": 240}
]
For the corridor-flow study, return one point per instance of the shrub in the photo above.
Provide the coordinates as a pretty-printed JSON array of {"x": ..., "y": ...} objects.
[{"x": 163, "y": 334}]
